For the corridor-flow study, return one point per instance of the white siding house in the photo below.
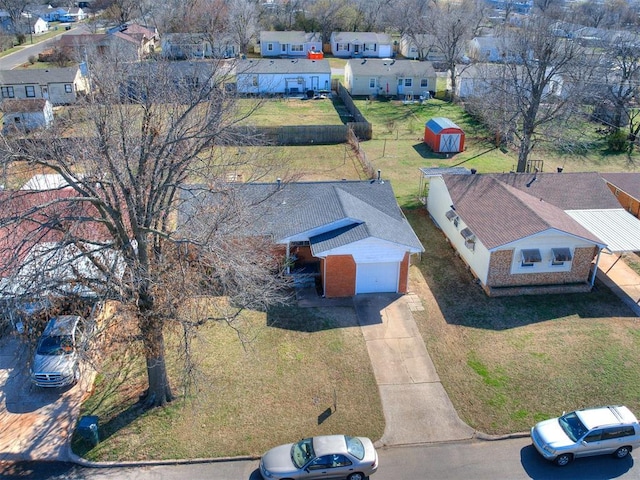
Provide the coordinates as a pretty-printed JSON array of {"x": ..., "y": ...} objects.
[
  {"x": 283, "y": 76},
  {"x": 374, "y": 76},
  {"x": 289, "y": 43},
  {"x": 361, "y": 44}
]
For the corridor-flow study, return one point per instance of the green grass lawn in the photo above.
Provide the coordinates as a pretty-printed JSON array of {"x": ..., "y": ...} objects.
[{"x": 306, "y": 372}]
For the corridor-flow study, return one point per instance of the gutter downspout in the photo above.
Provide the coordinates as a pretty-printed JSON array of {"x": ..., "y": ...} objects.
[
  {"x": 287, "y": 256},
  {"x": 595, "y": 269}
]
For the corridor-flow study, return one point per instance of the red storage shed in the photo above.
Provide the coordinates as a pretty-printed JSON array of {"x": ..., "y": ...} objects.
[{"x": 443, "y": 136}]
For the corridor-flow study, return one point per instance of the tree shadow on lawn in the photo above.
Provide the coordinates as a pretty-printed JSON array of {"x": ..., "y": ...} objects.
[
  {"x": 313, "y": 319},
  {"x": 463, "y": 302}
]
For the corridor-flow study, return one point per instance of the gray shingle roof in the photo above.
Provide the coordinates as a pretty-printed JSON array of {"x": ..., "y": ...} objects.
[
  {"x": 330, "y": 214},
  {"x": 279, "y": 66},
  {"x": 401, "y": 68},
  {"x": 289, "y": 37},
  {"x": 501, "y": 208},
  {"x": 362, "y": 37},
  {"x": 38, "y": 76}
]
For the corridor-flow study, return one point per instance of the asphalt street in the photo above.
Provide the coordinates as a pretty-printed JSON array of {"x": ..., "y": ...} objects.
[{"x": 511, "y": 459}]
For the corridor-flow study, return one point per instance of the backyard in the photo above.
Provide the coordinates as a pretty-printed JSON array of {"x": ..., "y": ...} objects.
[{"x": 505, "y": 362}]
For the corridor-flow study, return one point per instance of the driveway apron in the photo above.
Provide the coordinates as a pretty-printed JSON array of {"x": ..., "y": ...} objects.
[{"x": 416, "y": 407}]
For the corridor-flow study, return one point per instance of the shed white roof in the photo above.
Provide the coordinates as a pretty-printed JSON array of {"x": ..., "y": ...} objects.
[{"x": 617, "y": 228}]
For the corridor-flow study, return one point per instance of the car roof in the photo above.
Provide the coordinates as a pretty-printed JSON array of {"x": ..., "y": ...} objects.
[
  {"x": 61, "y": 325},
  {"x": 329, "y": 444},
  {"x": 603, "y": 416}
]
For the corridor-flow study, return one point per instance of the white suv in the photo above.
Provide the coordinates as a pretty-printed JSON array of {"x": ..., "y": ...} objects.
[
  {"x": 56, "y": 362},
  {"x": 591, "y": 431}
]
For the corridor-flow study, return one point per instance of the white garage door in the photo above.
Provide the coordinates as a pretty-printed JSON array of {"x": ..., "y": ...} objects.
[{"x": 377, "y": 277}]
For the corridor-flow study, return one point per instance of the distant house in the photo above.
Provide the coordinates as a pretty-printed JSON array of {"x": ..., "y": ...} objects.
[
  {"x": 186, "y": 46},
  {"x": 402, "y": 78},
  {"x": 73, "y": 14},
  {"x": 349, "y": 236},
  {"x": 522, "y": 233},
  {"x": 36, "y": 24},
  {"x": 626, "y": 188},
  {"x": 289, "y": 44},
  {"x": 283, "y": 76},
  {"x": 421, "y": 47},
  {"x": 47, "y": 12},
  {"x": 361, "y": 44},
  {"x": 478, "y": 79},
  {"x": 58, "y": 85},
  {"x": 79, "y": 43},
  {"x": 492, "y": 49},
  {"x": 145, "y": 38},
  {"x": 24, "y": 115}
]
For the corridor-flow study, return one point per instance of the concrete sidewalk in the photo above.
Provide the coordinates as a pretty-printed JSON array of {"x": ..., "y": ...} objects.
[
  {"x": 416, "y": 407},
  {"x": 621, "y": 279}
]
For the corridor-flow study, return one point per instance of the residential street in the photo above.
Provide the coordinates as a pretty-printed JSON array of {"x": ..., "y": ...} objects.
[
  {"x": 20, "y": 57},
  {"x": 491, "y": 460}
]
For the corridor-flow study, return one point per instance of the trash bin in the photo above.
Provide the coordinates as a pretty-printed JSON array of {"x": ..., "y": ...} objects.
[{"x": 88, "y": 429}]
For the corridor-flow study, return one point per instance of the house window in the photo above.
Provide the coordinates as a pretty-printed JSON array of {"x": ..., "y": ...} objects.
[
  {"x": 424, "y": 83},
  {"x": 269, "y": 47},
  {"x": 469, "y": 238},
  {"x": 68, "y": 88},
  {"x": 372, "y": 83},
  {"x": 408, "y": 82},
  {"x": 283, "y": 48},
  {"x": 297, "y": 48},
  {"x": 528, "y": 257},
  {"x": 560, "y": 256},
  {"x": 343, "y": 46},
  {"x": 254, "y": 80},
  {"x": 369, "y": 47},
  {"x": 7, "y": 92},
  {"x": 30, "y": 91}
]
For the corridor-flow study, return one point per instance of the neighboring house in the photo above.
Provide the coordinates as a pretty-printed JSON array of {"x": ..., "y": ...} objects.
[
  {"x": 626, "y": 188},
  {"x": 60, "y": 86},
  {"x": 479, "y": 79},
  {"x": 47, "y": 12},
  {"x": 36, "y": 24},
  {"x": 492, "y": 49},
  {"x": 534, "y": 233},
  {"x": 282, "y": 76},
  {"x": 145, "y": 38},
  {"x": 185, "y": 46},
  {"x": 402, "y": 78},
  {"x": 361, "y": 44},
  {"x": 289, "y": 44},
  {"x": 421, "y": 47},
  {"x": 73, "y": 14},
  {"x": 80, "y": 43},
  {"x": 26, "y": 114},
  {"x": 349, "y": 235}
]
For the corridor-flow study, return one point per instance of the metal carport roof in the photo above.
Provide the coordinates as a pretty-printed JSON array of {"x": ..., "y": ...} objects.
[{"x": 617, "y": 228}]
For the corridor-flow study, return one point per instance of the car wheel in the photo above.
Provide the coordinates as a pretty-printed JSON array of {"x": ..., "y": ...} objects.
[
  {"x": 356, "y": 476},
  {"x": 622, "y": 452},
  {"x": 564, "y": 459}
]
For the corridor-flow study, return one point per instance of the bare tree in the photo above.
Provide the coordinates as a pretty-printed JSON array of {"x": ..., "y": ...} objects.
[
  {"x": 242, "y": 23},
  {"x": 14, "y": 9},
  {"x": 538, "y": 86},
  {"x": 454, "y": 25},
  {"x": 145, "y": 133}
]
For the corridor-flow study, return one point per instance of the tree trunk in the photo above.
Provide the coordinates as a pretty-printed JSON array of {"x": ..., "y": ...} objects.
[{"x": 159, "y": 391}]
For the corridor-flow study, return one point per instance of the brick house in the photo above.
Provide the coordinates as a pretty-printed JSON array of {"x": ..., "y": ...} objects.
[
  {"x": 522, "y": 233},
  {"x": 626, "y": 187},
  {"x": 346, "y": 237}
]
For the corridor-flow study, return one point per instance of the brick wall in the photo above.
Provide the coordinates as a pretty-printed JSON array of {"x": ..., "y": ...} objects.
[
  {"x": 340, "y": 278},
  {"x": 404, "y": 274},
  {"x": 500, "y": 268}
]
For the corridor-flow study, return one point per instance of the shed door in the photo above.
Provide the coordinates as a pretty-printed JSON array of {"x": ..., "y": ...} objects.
[
  {"x": 450, "y": 142},
  {"x": 377, "y": 277}
]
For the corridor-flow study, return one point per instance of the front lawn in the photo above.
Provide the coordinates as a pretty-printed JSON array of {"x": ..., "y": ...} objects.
[
  {"x": 306, "y": 372},
  {"x": 507, "y": 363}
]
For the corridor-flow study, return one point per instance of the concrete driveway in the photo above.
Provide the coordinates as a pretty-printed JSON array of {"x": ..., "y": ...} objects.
[{"x": 35, "y": 423}]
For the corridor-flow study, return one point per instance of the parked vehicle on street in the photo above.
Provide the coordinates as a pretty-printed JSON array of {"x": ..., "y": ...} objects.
[
  {"x": 325, "y": 456},
  {"x": 56, "y": 362},
  {"x": 592, "y": 431}
]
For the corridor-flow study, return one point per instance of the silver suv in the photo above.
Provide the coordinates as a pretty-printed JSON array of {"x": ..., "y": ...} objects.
[
  {"x": 591, "y": 431},
  {"x": 56, "y": 362}
]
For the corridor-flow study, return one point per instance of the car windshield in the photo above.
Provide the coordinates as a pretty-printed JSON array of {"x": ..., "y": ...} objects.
[
  {"x": 572, "y": 426},
  {"x": 355, "y": 447},
  {"x": 302, "y": 452},
  {"x": 55, "y": 345}
]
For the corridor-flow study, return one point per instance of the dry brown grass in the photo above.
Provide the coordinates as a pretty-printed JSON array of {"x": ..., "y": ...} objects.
[{"x": 507, "y": 363}]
